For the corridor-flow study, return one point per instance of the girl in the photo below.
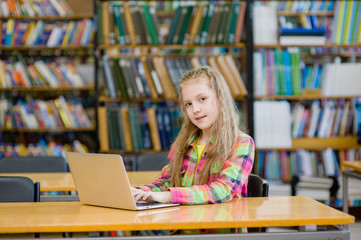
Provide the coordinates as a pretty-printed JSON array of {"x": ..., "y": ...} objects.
[{"x": 211, "y": 158}]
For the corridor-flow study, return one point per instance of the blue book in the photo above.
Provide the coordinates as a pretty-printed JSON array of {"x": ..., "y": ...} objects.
[
  {"x": 288, "y": 73},
  {"x": 303, "y": 31}
]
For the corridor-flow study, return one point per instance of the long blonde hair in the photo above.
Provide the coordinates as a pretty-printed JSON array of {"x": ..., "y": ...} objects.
[{"x": 225, "y": 129}]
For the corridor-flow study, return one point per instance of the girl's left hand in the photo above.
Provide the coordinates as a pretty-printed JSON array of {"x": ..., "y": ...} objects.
[{"x": 161, "y": 197}]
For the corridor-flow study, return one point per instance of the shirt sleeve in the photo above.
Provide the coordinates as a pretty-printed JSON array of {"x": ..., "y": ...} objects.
[{"x": 231, "y": 182}]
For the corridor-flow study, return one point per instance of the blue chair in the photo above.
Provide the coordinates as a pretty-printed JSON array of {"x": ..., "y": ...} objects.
[
  {"x": 19, "y": 189},
  {"x": 33, "y": 164},
  {"x": 151, "y": 161}
]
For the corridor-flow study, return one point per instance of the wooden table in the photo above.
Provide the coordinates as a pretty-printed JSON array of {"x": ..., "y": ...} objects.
[
  {"x": 64, "y": 181},
  {"x": 353, "y": 171},
  {"x": 47, "y": 217}
]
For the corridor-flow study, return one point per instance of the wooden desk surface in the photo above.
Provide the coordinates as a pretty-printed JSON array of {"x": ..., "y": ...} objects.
[
  {"x": 356, "y": 165},
  {"x": 243, "y": 212},
  {"x": 64, "y": 181}
]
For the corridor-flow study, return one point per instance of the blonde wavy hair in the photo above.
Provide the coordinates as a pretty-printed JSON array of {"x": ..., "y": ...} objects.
[{"x": 225, "y": 129}]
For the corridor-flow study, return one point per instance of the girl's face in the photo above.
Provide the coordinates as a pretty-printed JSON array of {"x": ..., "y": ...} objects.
[{"x": 201, "y": 104}]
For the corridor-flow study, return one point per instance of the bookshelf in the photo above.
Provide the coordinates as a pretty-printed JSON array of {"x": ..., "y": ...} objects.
[
  {"x": 46, "y": 76},
  {"x": 154, "y": 53},
  {"x": 298, "y": 74}
]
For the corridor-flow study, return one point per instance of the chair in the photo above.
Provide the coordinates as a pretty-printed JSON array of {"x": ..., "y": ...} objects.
[
  {"x": 33, "y": 164},
  {"x": 257, "y": 187},
  {"x": 151, "y": 161},
  {"x": 19, "y": 189}
]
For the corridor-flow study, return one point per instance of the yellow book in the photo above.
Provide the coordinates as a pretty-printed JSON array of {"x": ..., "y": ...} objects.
[
  {"x": 339, "y": 26},
  {"x": 69, "y": 29},
  {"x": 103, "y": 129},
  {"x": 153, "y": 128},
  {"x": 126, "y": 128},
  {"x": 62, "y": 113},
  {"x": 236, "y": 74},
  {"x": 347, "y": 28}
]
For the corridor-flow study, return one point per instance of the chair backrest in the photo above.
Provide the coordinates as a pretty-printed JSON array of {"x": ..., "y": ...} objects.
[
  {"x": 151, "y": 161},
  {"x": 19, "y": 189},
  {"x": 257, "y": 187},
  {"x": 33, "y": 164}
]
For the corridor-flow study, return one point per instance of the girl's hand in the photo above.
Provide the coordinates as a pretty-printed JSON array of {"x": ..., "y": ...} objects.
[{"x": 148, "y": 196}]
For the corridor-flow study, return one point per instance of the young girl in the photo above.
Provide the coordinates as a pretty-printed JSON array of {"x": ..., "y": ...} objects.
[{"x": 211, "y": 158}]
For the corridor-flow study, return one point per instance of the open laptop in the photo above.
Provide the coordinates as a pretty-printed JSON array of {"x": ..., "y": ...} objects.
[{"x": 101, "y": 180}]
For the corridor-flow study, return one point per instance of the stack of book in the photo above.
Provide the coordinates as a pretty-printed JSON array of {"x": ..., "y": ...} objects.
[{"x": 302, "y": 36}]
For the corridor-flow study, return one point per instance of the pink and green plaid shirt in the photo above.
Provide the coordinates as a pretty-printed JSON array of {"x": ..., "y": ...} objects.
[{"x": 224, "y": 183}]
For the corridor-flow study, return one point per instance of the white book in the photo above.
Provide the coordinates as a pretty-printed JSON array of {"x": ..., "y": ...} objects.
[
  {"x": 109, "y": 77},
  {"x": 328, "y": 162},
  {"x": 302, "y": 40},
  {"x": 315, "y": 112},
  {"x": 325, "y": 118},
  {"x": 58, "y": 8},
  {"x": 54, "y": 37},
  {"x": 45, "y": 72},
  {"x": 297, "y": 119},
  {"x": 265, "y": 30},
  {"x": 258, "y": 73},
  {"x": 4, "y": 9}
]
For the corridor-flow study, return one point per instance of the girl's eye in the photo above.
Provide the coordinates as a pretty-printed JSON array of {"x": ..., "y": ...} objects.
[
  {"x": 203, "y": 99},
  {"x": 188, "y": 104}
]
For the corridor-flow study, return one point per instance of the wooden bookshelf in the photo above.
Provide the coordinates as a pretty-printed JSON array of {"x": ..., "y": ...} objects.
[
  {"x": 46, "y": 89},
  {"x": 50, "y": 18},
  {"x": 27, "y": 48},
  {"x": 25, "y": 55},
  {"x": 47, "y": 130}
]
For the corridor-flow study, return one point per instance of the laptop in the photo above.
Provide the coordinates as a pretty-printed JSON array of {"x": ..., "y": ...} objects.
[{"x": 101, "y": 180}]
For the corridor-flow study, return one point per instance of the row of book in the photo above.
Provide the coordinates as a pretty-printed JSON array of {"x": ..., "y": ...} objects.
[
  {"x": 282, "y": 72},
  {"x": 192, "y": 23},
  {"x": 42, "y": 148},
  {"x": 350, "y": 155},
  {"x": 347, "y": 26},
  {"x": 15, "y": 72},
  {"x": 32, "y": 8},
  {"x": 158, "y": 77},
  {"x": 344, "y": 28},
  {"x": 327, "y": 118},
  {"x": 43, "y": 114},
  {"x": 282, "y": 165},
  {"x": 278, "y": 72},
  {"x": 51, "y": 34},
  {"x": 136, "y": 128},
  {"x": 302, "y": 6}
]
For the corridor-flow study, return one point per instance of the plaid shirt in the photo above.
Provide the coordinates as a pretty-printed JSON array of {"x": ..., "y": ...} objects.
[{"x": 224, "y": 183}]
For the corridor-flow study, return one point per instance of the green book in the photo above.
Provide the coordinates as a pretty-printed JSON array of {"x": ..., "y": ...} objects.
[
  {"x": 206, "y": 24},
  {"x": 118, "y": 23},
  {"x": 119, "y": 79},
  {"x": 173, "y": 25},
  {"x": 150, "y": 24},
  {"x": 230, "y": 34},
  {"x": 228, "y": 23},
  {"x": 222, "y": 24},
  {"x": 185, "y": 24}
]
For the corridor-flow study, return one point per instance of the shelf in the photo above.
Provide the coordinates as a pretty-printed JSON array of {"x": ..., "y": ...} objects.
[
  {"x": 303, "y": 97},
  {"x": 317, "y": 144},
  {"x": 112, "y": 151},
  {"x": 108, "y": 99},
  {"x": 297, "y": 14},
  {"x": 307, "y": 46},
  {"x": 165, "y": 46},
  {"x": 40, "y": 130},
  {"x": 46, "y": 89},
  {"x": 50, "y": 18},
  {"x": 27, "y": 48}
]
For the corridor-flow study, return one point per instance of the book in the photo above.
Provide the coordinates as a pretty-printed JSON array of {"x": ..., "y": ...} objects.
[{"x": 103, "y": 129}]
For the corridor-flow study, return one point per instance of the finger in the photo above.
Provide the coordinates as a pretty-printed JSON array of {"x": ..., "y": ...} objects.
[{"x": 146, "y": 195}]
